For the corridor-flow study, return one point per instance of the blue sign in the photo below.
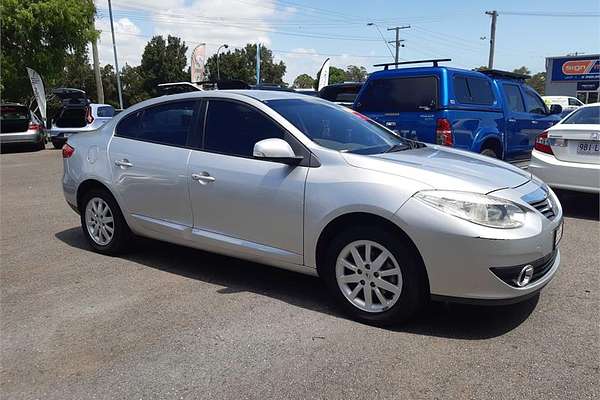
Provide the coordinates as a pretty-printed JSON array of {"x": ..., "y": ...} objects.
[{"x": 580, "y": 68}]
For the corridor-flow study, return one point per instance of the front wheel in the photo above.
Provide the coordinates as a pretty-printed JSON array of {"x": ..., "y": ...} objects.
[
  {"x": 103, "y": 224},
  {"x": 374, "y": 275}
]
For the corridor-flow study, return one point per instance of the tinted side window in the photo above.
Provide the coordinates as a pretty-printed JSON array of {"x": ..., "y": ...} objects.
[
  {"x": 513, "y": 98},
  {"x": 574, "y": 102},
  {"x": 399, "y": 94},
  {"x": 106, "y": 111},
  {"x": 166, "y": 123},
  {"x": 533, "y": 103},
  {"x": 461, "y": 90},
  {"x": 234, "y": 128},
  {"x": 473, "y": 91},
  {"x": 481, "y": 91}
]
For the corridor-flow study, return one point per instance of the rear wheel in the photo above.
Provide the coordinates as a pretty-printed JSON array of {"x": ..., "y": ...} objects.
[
  {"x": 489, "y": 152},
  {"x": 102, "y": 222},
  {"x": 374, "y": 276},
  {"x": 57, "y": 144}
]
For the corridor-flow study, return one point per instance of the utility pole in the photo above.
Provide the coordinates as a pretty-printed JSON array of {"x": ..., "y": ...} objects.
[
  {"x": 117, "y": 72},
  {"x": 99, "y": 87},
  {"x": 398, "y": 42},
  {"x": 494, "y": 15}
]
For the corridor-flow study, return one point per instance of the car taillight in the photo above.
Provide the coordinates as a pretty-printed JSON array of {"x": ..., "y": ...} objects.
[
  {"x": 443, "y": 132},
  {"x": 67, "y": 151},
  {"x": 88, "y": 115},
  {"x": 34, "y": 126},
  {"x": 542, "y": 143}
]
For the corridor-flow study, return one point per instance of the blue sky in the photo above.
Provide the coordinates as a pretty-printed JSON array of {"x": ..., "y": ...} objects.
[{"x": 304, "y": 33}]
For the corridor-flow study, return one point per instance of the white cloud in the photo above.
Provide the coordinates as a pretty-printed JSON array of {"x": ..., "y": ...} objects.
[{"x": 130, "y": 44}]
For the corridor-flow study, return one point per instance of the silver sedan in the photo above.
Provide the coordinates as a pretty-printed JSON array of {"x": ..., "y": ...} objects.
[{"x": 303, "y": 184}]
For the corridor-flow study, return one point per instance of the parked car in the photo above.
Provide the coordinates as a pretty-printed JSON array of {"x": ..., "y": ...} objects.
[
  {"x": 567, "y": 103},
  {"x": 20, "y": 126},
  {"x": 567, "y": 156},
  {"x": 341, "y": 93},
  {"x": 301, "y": 183},
  {"x": 489, "y": 112},
  {"x": 77, "y": 115}
]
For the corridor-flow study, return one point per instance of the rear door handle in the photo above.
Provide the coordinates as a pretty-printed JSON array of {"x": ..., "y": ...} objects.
[
  {"x": 203, "y": 178},
  {"x": 124, "y": 163}
]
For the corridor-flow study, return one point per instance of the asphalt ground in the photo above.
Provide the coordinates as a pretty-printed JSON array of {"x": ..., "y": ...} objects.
[{"x": 169, "y": 322}]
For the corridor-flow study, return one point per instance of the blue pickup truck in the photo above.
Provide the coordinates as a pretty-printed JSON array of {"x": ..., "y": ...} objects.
[{"x": 489, "y": 112}]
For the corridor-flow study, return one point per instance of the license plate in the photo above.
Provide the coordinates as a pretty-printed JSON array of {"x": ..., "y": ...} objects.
[
  {"x": 588, "y": 148},
  {"x": 558, "y": 232}
]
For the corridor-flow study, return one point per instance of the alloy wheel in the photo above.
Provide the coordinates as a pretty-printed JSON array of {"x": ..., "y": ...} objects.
[
  {"x": 99, "y": 221},
  {"x": 369, "y": 276}
]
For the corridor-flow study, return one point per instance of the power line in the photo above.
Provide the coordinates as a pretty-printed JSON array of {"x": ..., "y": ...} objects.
[{"x": 551, "y": 14}]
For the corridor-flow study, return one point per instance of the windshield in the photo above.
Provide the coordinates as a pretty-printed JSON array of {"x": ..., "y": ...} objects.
[
  {"x": 584, "y": 115},
  {"x": 338, "y": 128}
]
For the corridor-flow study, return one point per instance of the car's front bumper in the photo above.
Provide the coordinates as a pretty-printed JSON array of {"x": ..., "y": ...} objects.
[
  {"x": 458, "y": 255},
  {"x": 565, "y": 175}
]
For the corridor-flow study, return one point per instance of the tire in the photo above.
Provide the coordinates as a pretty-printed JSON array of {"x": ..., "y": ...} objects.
[
  {"x": 399, "y": 306},
  {"x": 104, "y": 242},
  {"x": 41, "y": 145},
  {"x": 489, "y": 152},
  {"x": 57, "y": 145}
]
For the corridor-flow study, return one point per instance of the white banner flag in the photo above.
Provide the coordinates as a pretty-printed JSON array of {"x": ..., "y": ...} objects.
[
  {"x": 324, "y": 77},
  {"x": 38, "y": 90},
  {"x": 198, "y": 61}
]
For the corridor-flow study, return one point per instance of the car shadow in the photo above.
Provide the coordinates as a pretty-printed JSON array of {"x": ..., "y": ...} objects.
[
  {"x": 9, "y": 148},
  {"x": 579, "y": 205},
  {"x": 455, "y": 321}
]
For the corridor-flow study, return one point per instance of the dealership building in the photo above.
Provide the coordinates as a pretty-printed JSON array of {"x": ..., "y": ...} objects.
[{"x": 577, "y": 76}]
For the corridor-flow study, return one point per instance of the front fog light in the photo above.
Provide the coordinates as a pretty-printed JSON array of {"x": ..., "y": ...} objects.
[{"x": 524, "y": 276}]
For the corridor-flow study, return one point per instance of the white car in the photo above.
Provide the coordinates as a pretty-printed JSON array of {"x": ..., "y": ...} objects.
[
  {"x": 567, "y": 156},
  {"x": 567, "y": 103}
]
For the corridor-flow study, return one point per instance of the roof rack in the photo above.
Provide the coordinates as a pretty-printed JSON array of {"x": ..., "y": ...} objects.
[
  {"x": 503, "y": 74},
  {"x": 435, "y": 62}
]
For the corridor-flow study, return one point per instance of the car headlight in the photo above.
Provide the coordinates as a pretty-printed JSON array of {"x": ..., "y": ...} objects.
[{"x": 474, "y": 207}]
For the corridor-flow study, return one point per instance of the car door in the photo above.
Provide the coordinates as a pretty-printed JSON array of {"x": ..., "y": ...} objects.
[
  {"x": 517, "y": 123},
  {"x": 148, "y": 157},
  {"x": 250, "y": 206}
]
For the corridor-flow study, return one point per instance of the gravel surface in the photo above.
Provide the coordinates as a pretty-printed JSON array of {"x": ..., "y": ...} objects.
[{"x": 170, "y": 322}]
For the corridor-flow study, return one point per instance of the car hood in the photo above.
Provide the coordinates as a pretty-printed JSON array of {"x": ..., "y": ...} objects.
[{"x": 445, "y": 169}]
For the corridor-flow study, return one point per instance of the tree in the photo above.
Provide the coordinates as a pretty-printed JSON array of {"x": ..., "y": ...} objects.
[
  {"x": 304, "y": 81},
  {"x": 241, "y": 64},
  {"x": 336, "y": 75},
  {"x": 538, "y": 82},
  {"x": 356, "y": 74},
  {"x": 522, "y": 71},
  {"x": 133, "y": 85},
  {"x": 41, "y": 34},
  {"x": 162, "y": 62}
]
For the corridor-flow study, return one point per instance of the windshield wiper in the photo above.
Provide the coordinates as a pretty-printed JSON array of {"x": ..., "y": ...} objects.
[{"x": 398, "y": 147}]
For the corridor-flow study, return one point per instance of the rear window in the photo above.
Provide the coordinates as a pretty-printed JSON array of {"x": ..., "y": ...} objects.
[
  {"x": 14, "y": 119},
  {"x": 72, "y": 118},
  {"x": 106, "y": 112},
  {"x": 399, "y": 94},
  {"x": 345, "y": 94},
  {"x": 585, "y": 115},
  {"x": 469, "y": 90}
]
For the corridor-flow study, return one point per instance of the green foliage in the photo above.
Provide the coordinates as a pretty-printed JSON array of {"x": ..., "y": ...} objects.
[
  {"x": 241, "y": 64},
  {"x": 41, "y": 34},
  {"x": 162, "y": 62},
  {"x": 304, "y": 81},
  {"x": 356, "y": 74},
  {"x": 522, "y": 70},
  {"x": 537, "y": 81},
  {"x": 133, "y": 85}
]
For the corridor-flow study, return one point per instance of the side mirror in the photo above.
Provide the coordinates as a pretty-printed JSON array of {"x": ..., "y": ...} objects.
[
  {"x": 556, "y": 109},
  {"x": 277, "y": 150}
]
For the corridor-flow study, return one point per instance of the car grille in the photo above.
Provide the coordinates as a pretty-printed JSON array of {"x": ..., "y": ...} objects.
[
  {"x": 545, "y": 207},
  {"x": 540, "y": 268}
]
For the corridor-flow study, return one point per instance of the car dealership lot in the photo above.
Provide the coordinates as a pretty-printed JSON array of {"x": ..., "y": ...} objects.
[{"x": 169, "y": 322}]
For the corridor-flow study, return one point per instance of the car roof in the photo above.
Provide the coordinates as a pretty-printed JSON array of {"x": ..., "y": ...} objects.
[{"x": 421, "y": 71}]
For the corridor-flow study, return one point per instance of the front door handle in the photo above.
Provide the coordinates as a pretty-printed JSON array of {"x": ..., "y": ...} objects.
[
  {"x": 124, "y": 163},
  {"x": 512, "y": 120},
  {"x": 203, "y": 178},
  {"x": 534, "y": 122}
]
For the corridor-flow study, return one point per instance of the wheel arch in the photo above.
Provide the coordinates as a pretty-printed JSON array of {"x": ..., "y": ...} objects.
[
  {"x": 86, "y": 186},
  {"x": 490, "y": 141},
  {"x": 365, "y": 218}
]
